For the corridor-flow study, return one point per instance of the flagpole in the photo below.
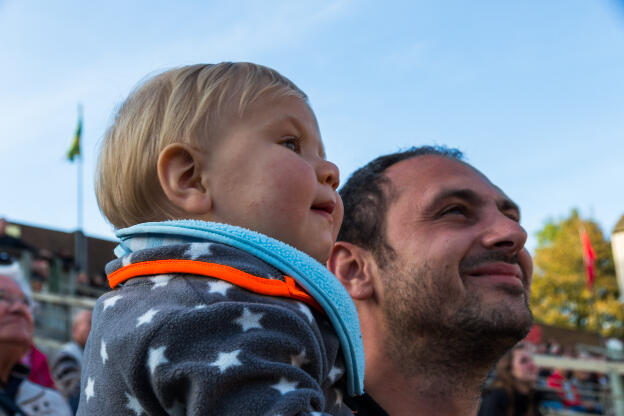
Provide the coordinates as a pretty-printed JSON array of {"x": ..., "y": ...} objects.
[
  {"x": 79, "y": 194},
  {"x": 80, "y": 249}
]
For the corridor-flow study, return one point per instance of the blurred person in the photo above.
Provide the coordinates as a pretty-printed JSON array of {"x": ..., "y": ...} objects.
[
  {"x": 39, "y": 368},
  {"x": 82, "y": 278},
  {"x": 432, "y": 253},
  {"x": 561, "y": 380},
  {"x": 512, "y": 391},
  {"x": 588, "y": 387},
  {"x": 99, "y": 280},
  {"x": 39, "y": 272},
  {"x": 18, "y": 395},
  {"x": 554, "y": 348},
  {"x": 35, "y": 360},
  {"x": 67, "y": 365},
  {"x": 12, "y": 245}
]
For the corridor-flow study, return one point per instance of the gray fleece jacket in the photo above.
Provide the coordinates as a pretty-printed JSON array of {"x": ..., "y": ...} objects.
[{"x": 189, "y": 344}]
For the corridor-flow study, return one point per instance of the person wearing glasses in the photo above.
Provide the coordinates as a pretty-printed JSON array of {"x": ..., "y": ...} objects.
[{"x": 18, "y": 395}]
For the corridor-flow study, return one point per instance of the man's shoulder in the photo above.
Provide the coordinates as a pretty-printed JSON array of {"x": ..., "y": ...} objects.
[
  {"x": 364, "y": 405},
  {"x": 496, "y": 392}
]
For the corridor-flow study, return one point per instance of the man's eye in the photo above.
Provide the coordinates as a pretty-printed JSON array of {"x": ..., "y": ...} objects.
[
  {"x": 292, "y": 143},
  {"x": 454, "y": 210}
]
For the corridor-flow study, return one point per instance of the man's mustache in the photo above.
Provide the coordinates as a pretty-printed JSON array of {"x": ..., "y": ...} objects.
[{"x": 490, "y": 257}]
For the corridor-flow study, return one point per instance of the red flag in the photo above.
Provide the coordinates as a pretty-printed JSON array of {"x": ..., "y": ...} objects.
[{"x": 588, "y": 256}]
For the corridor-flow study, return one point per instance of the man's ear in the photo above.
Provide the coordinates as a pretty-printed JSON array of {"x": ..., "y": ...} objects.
[
  {"x": 352, "y": 265},
  {"x": 182, "y": 179}
]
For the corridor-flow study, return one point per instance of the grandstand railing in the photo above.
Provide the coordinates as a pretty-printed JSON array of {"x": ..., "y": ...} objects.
[
  {"x": 53, "y": 318},
  {"x": 612, "y": 399}
]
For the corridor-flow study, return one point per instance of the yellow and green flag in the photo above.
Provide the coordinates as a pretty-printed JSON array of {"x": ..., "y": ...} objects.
[{"x": 74, "y": 150}]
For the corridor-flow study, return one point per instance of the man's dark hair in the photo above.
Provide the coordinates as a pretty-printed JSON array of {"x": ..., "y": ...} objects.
[{"x": 366, "y": 201}]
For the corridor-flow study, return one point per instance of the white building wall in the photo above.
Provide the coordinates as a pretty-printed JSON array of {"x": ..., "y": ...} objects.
[{"x": 617, "y": 245}]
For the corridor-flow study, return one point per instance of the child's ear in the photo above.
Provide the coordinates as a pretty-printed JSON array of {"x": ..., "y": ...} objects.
[
  {"x": 352, "y": 266},
  {"x": 182, "y": 179}
]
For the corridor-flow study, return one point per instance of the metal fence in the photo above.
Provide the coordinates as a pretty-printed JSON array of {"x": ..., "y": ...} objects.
[
  {"x": 611, "y": 398},
  {"x": 53, "y": 319}
]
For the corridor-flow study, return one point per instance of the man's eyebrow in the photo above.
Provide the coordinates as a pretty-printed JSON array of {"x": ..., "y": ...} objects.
[
  {"x": 470, "y": 196},
  {"x": 467, "y": 195}
]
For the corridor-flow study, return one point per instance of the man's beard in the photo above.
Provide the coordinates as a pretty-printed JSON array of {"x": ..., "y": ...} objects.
[{"x": 429, "y": 329}]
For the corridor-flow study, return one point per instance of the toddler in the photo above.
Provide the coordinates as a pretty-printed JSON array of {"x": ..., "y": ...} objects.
[{"x": 215, "y": 178}]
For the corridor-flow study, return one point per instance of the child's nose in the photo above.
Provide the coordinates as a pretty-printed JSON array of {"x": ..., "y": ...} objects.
[{"x": 328, "y": 173}]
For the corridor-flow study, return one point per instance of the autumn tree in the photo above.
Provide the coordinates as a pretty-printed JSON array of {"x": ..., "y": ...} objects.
[{"x": 559, "y": 295}]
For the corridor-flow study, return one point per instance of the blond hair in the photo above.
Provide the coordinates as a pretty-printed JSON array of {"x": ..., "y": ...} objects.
[{"x": 191, "y": 105}]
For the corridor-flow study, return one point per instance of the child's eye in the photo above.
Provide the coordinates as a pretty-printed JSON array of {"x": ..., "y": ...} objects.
[{"x": 292, "y": 143}]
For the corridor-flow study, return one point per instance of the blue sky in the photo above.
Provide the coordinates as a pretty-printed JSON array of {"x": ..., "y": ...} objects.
[{"x": 531, "y": 91}]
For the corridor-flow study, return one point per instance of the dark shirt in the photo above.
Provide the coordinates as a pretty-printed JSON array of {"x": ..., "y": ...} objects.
[
  {"x": 8, "y": 391},
  {"x": 364, "y": 406},
  {"x": 496, "y": 403}
]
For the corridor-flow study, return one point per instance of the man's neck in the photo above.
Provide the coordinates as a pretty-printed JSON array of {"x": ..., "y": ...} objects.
[
  {"x": 430, "y": 391},
  {"x": 431, "y": 377}
]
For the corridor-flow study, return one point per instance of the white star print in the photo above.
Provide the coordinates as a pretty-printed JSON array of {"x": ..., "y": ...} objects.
[
  {"x": 284, "y": 386},
  {"x": 197, "y": 250},
  {"x": 161, "y": 281},
  {"x": 338, "y": 397},
  {"x": 226, "y": 360},
  {"x": 110, "y": 302},
  {"x": 156, "y": 357},
  {"x": 103, "y": 352},
  {"x": 147, "y": 317},
  {"x": 127, "y": 259},
  {"x": 299, "y": 359},
  {"x": 219, "y": 286},
  {"x": 334, "y": 374},
  {"x": 202, "y": 306},
  {"x": 249, "y": 320},
  {"x": 89, "y": 390},
  {"x": 134, "y": 405},
  {"x": 306, "y": 311}
]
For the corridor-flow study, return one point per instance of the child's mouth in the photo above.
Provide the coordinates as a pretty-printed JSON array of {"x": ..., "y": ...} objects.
[{"x": 324, "y": 208}]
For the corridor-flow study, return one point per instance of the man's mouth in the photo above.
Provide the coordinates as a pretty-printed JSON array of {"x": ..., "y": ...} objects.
[{"x": 499, "y": 272}]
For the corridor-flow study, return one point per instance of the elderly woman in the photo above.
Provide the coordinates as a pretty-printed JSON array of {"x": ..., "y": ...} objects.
[{"x": 18, "y": 396}]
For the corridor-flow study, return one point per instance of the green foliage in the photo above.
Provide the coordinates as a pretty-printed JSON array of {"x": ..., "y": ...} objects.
[{"x": 559, "y": 295}]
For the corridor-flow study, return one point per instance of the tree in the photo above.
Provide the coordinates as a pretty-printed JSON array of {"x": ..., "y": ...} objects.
[{"x": 559, "y": 295}]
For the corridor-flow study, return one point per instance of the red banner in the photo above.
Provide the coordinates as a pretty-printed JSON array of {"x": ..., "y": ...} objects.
[{"x": 588, "y": 256}]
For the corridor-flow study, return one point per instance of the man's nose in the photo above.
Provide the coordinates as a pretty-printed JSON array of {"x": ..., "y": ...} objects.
[{"x": 504, "y": 233}]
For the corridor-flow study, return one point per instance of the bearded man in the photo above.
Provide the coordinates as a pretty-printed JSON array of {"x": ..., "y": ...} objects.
[{"x": 433, "y": 256}]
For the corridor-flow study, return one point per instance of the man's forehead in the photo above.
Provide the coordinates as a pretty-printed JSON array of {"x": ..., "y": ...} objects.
[{"x": 426, "y": 176}]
